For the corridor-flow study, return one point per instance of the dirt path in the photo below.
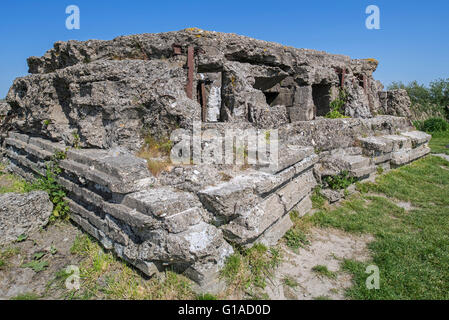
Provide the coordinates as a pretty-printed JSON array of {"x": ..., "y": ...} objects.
[
  {"x": 295, "y": 279},
  {"x": 441, "y": 155}
]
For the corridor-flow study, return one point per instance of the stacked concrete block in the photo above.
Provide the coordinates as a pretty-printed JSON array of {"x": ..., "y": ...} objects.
[
  {"x": 111, "y": 197},
  {"x": 254, "y": 207},
  {"x": 396, "y": 149}
]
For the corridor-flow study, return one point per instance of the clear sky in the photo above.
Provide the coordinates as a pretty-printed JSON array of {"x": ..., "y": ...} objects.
[{"x": 412, "y": 43}]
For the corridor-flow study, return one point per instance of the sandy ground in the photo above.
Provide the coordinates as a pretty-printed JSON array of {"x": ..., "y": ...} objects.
[{"x": 327, "y": 247}]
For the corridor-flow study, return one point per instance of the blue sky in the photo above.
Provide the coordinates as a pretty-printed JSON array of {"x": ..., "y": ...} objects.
[{"x": 412, "y": 43}]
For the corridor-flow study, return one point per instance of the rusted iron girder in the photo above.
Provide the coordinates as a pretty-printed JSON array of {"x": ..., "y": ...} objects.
[
  {"x": 190, "y": 70},
  {"x": 203, "y": 102}
]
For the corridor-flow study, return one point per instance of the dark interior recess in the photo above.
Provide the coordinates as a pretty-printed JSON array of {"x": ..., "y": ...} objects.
[
  {"x": 271, "y": 96},
  {"x": 321, "y": 98}
]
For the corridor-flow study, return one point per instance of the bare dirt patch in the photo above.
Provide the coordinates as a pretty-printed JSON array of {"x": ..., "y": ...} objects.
[
  {"x": 6, "y": 181},
  {"x": 55, "y": 243},
  {"x": 407, "y": 206},
  {"x": 295, "y": 279},
  {"x": 441, "y": 155}
]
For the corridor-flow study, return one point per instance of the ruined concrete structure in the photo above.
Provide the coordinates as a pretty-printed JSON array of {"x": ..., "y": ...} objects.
[{"x": 106, "y": 96}]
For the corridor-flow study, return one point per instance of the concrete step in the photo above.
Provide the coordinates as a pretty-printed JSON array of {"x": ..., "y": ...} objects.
[
  {"x": 287, "y": 157},
  {"x": 417, "y": 137},
  {"x": 406, "y": 156},
  {"x": 397, "y": 149},
  {"x": 356, "y": 165},
  {"x": 375, "y": 146}
]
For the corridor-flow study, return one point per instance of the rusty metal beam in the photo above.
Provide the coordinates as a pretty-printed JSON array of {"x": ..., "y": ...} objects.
[
  {"x": 203, "y": 102},
  {"x": 190, "y": 70},
  {"x": 343, "y": 74}
]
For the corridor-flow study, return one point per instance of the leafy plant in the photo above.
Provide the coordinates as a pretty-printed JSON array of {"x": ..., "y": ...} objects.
[
  {"x": 21, "y": 238},
  {"x": 36, "y": 265},
  {"x": 53, "y": 250},
  {"x": 76, "y": 140},
  {"x": 296, "y": 239},
  {"x": 337, "y": 106},
  {"x": 55, "y": 191},
  {"x": 379, "y": 170},
  {"x": 340, "y": 181},
  {"x": 38, "y": 255}
]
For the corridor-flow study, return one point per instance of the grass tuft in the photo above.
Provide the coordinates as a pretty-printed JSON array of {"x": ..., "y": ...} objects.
[
  {"x": 324, "y": 271},
  {"x": 249, "y": 268},
  {"x": 104, "y": 276}
]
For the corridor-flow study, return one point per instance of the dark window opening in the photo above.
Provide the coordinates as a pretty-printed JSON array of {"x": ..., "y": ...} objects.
[
  {"x": 271, "y": 97},
  {"x": 361, "y": 82},
  {"x": 321, "y": 99}
]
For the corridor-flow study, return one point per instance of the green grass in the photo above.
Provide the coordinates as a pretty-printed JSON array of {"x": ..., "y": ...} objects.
[
  {"x": 249, "y": 269},
  {"x": 439, "y": 142},
  {"x": 36, "y": 266},
  {"x": 317, "y": 198},
  {"x": 104, "y": 276},
  {"x": 6, "y": 254},
  {"x": 324, "y": 271},
  {"x": 47, "y": 183},
  {"x": 26, "y": 296},
  {"x": 206, "y": 296},
  {"x": 291, "y": 282},
  {"x": 410, "y": 248},
  {"x": 10, "y": 183},
  {"x": 296, "y": 237}
]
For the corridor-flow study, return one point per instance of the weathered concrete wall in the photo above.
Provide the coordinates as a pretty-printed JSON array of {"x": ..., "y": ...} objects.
[
  {"x": 91, "y": 87},
  {"x": 113, "y": 197},
  {"x": 155, "y": 223}
]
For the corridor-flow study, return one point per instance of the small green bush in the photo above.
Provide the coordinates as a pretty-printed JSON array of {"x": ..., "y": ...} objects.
[
  {"x": 340, "y": 181},
  {"x": 296, "y": 239},
  {"x": 432, "y": 125},
  {"x": 337, "y": 106},
  {"x": 55, "y": 191}
]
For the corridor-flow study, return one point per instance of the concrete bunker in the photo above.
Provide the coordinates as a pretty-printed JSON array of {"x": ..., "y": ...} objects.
[{"x": 186, "y": 217}]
